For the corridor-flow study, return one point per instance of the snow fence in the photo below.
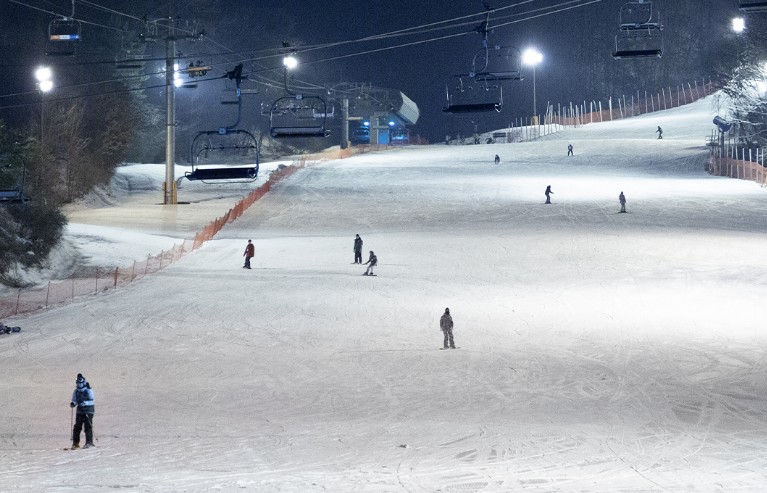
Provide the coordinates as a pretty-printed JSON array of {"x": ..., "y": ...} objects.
[
  {"x": 738, "y": 163},
  {"x": 90, "y": 282}
]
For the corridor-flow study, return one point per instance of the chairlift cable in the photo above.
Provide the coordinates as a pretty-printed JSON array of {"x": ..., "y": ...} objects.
[{"x": 70, "y": 18}]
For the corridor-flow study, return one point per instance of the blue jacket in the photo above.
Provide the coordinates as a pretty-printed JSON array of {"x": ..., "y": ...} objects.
[{"x": 84, "y": 400}]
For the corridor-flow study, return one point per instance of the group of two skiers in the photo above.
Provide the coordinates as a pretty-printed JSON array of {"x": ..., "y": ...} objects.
[{"x": 372, "y": 260}]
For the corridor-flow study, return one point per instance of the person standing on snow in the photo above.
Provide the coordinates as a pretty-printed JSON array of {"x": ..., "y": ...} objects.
[
  {"x": 497, "y": 159},
  {"x": 569, "y": 150},
  {"x": 548, "y": 192},
  {"x": 373, "y": 261},
  {"x": 622, "y": 199},
  {"x": 250, "y": 252},
  {"x": 358, "y": 250},
  {"x": 659, "y": 132},
  {"x": 446, "y": 324},
  {"x": 82, "y": 398}
]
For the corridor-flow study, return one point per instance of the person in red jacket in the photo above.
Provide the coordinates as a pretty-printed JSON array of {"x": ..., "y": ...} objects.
[{"x": 250, "y": 252}]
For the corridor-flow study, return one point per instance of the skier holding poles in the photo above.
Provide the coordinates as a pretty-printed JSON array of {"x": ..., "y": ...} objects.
[{"x": 82, "y": 398}]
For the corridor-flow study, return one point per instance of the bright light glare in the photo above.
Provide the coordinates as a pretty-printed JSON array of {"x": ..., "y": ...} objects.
[
  {"x": 531, "y": 57},
  {"x": 178, "y": 82},
  {"x": 761, "y": 86},
  {"x": 367, "y": 124},
  {"x": 738, "y": 24},
  {"x": 43, "y": 73},
  {"x": 391, "y": 124},
  {"x": 290, "y": 62},
  {"x": 175, "y": 66},
  {"x": 46, "y": 85}
]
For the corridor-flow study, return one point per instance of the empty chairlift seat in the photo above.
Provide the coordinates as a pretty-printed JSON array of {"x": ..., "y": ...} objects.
[
  {"x": 298, "y": 116},
  {"x": 640, "y": 33},
  {"x": 63, "y": 36}
]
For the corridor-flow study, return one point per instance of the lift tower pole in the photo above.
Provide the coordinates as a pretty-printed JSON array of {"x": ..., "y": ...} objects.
[{"x": 169, "y": 198}]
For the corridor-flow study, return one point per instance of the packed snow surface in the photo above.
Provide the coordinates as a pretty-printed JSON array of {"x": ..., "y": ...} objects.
[{"x": 598, "y": 352}]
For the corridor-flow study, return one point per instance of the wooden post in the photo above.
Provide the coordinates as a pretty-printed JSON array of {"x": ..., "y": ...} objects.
[
  {"x": 146, "y": 271},
  {"x": 600, "y": 111},
  {"x": 133, "y": 270},
  {"x": 610, "y": 102},
  {"x": 18, "y": 300},
  {"x": 664, "y": 98},
  {"x": 73, "y": 286},
  {"x": 645, "y": 102},
  {"x": 97, "y": 282},
  {"x": 116, "y": 269},
  {"x": 47, "y": 294}
]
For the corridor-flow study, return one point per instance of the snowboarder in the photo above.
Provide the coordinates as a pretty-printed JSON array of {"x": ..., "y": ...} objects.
[
  {"x": 659, "y": 132},
  {"x": 622, "y": 199},
  {"x": 547, "y": 193},
  {"x": 446, "y": 324},
  {"x": 250, "y": 252},
  {"x": 497, "y": 159},
  {"x": 358, "y": 250},
  {"x": 373, "y": 261},
  {"x": 569, "y": 150},
  {"x": 82, "y": 398}
]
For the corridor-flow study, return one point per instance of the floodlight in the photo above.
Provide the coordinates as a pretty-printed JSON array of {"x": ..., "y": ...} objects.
[
  {"x": 43, "y": 73},
  {"x": 738, "y": 24},
  {"x": 46, "y": 85},
  {"x": 290, "y": 62},
  {"x": 531, "y": 57}
]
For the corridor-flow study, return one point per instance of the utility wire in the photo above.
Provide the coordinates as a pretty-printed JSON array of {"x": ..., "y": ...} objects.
[{"x": 72, "y": 18}]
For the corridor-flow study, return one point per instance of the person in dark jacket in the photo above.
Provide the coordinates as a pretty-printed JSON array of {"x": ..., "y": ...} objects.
[
  {"x": 569, "y": 150},
  {"x": 250, "y": 252},
  {"x": 548, "y": 192},
  {"x": 497, "y": 159},
  {"x": 373, "y": 261},
  {"x": 358, "y": 250},
  {"x": 82, "y": 398},
  {"x": 622, "y": 200},
  {"x": 659, "y": 132},
  {"x": 446, "y": 324}
]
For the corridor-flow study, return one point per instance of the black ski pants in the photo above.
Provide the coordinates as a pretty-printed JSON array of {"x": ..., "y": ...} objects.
[
  {"x": 448, "y": 338},
  {"x": 83, "y": 419},
  {"x": 357, "y": 256}
]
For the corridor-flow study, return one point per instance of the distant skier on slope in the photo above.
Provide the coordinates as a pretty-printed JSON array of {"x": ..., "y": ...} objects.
[
  {"x": 358, "y": 250},
  {"x": 659, "y": 132},
  {"x": 82, "y": 398},
  {"x": 548, "y": 192},
  {"x": 622, "y": 200},
  {"x": 373, "y": 261},
  {"x": 497, "y": 159},
  {"x": 569, "y": 150},
  {"x": 250, "y": 252},
  {"x": 446, "y": 324}
]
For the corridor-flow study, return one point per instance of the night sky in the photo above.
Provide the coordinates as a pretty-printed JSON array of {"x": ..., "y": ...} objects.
[{"x": 421, "y": 71}]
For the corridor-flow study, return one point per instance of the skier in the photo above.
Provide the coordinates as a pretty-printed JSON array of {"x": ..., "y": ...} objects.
[
  {"x": 358, "y": 250},
  {"x": 547, "y": 193},
  {"x": 622, "y": 199},
  {"x": 569, "y": 150},
  {"x": 446, "y": 324},
  {"x": 250, "y": 252},
  {"x": 497, "y": 159},
  {"x": 82, "y": 398},
  {"x": 659, "y": 132},
  {"x": 373, "y": 261}
]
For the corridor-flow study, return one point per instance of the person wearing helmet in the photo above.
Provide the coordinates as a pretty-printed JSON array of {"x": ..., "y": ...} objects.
[{"x": 82, "y": 398}]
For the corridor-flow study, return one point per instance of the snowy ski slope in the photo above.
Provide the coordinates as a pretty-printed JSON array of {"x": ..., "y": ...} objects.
[{"x": 599, "y": 352}]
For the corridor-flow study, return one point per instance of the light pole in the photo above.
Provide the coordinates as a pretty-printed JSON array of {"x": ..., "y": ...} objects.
[
  {"x": 44, "y": 84},
  {"x": 533, "y": 58}
]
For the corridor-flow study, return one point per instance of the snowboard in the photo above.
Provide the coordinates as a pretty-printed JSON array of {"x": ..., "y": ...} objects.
[
  {"x": 370, "y": 275},
  {"x": 443, "y": 348}
]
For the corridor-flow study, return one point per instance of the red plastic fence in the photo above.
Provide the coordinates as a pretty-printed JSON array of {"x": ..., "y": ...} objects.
[
  {"x": 90, "y": 282},
  {"x": 736, "y": 168}
]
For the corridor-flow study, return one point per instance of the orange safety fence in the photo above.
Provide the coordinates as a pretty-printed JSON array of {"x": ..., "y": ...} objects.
[
  {"x": 89, "y": 281},
  {"x": 736, "y": 168}
]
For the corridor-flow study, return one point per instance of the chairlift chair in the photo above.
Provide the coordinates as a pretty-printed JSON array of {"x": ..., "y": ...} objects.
[
  {"x": 63, "y": 35},
  {"x": 298, "y": 116},
  {"x": 473, "y": 98},
  {"x": 640, "y": 34},
  {"x": 750, "y": 6},
  {"x": 229, "y": 142},
  {"x": 638, "y": 43},
  {"x": 497, "y": 63}
]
